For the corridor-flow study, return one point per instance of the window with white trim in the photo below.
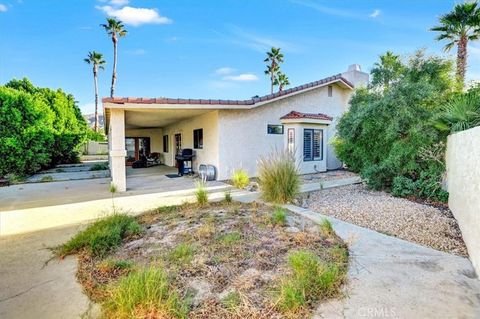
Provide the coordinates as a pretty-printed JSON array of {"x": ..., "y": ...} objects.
[{"x": 312, "y": 145}]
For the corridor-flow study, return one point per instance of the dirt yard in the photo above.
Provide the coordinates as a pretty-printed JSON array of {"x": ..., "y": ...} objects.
[
  {"x": 423, "y": 224},
  {"x": 226, "y": 260}
]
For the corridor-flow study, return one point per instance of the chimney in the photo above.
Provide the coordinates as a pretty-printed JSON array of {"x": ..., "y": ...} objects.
[{"x": 356, "y": 76}]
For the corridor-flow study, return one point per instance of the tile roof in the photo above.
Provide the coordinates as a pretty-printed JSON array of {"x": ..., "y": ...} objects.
[
  {"x": 252, "y": 101},
  {"x": 299, "y": 115}
]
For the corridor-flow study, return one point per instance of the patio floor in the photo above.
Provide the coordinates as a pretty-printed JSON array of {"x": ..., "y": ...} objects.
[{"x": 139, "y": 181}]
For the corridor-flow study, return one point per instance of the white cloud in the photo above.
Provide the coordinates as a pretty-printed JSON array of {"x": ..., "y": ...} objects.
[
  {"x": 119, "y": 2},
  {"x": 3, "y": 8},
  {"x": 135, "y": 16},
  {"x": 375, "y": 13},
  {"x": 224, "y": 71},
  {"x": 244, "y": 77}
]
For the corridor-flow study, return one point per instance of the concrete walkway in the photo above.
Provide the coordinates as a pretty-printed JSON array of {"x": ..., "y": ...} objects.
[{"x": 392, "y": 278}]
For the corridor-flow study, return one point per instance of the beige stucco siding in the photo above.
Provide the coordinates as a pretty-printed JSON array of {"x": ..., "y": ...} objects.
[
  {"x": 243, "y": 134},
  {"x": 209, "y": 154}
]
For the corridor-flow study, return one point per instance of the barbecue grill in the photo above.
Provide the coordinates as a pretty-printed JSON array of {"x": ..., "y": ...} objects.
[{"x": 184, "y": 161}]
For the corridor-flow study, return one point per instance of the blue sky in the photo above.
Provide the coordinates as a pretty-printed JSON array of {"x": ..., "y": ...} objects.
[{"x": 207, "y": 49}]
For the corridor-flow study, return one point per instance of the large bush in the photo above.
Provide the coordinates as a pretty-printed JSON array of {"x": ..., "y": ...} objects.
[
  {"x": 388, "y": 130},
  {"x": 39, "y": 127}
]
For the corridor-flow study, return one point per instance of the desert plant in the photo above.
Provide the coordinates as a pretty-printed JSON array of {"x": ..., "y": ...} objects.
[
  {"x": 102, "y": 236},
  {"x": 146, "y": 293},
  {"x": 279, "y": 217},
  {"x": 201, "y": 194},
  {"x": 240, "y": 178},
  {"x": 228, "y": 197},
  {"x": 278, "y": 177},
  {"x": 403, "y": 186},
  {"x": 460, "y": 113},
  {"x": 326, "y": 227},
  {"x": 309, "y": 280}
]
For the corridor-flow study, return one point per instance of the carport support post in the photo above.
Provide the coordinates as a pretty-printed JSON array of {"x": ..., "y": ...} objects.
[{"x": 117, "y": 149}]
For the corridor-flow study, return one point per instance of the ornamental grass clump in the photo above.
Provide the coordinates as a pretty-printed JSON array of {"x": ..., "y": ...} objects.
[
  {"x": 240, "y": 178},
  {"x": 201, "y": 194},
  {"x": 147, "y": 293},
  {"x": 278, "y": 177}
]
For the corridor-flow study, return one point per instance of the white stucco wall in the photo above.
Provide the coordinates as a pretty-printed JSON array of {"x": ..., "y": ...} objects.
[
  {"x": 463, "y": 182},
  {"x": 209, "y": 154},
  {"x": 243, "y": 134}
]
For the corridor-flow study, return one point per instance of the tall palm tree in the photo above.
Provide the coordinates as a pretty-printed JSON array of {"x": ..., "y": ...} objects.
[
  {"x": 274, "y": 58},
  {"x": 115, "y": 29},
  {"x": 458, "y": 27},
  {"x": 281, "y": 81},
  {"x": 95, "y": 59}
]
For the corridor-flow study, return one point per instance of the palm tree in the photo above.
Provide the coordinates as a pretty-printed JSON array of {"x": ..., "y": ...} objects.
[
  {"x": 95, "y": 59},
  {"x": 281, "y": 81},
  {"x": 274, "y": 58},
  {"x": 115, "y": 29},
  {"x": 458, "y": 27}
]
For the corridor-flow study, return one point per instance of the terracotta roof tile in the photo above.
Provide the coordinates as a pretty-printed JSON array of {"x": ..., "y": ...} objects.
[
  {"x": 299, "y": 115},
  {"x": 163, "y": 100}
]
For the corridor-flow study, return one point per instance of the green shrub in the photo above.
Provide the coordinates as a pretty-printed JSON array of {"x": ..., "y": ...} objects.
[
  {"x": 39, "y": 128},
  {"x": 99, "y": 167},
  {"x": 102, "y": 236},
  {"x": 147, "y": 293},
  {"x": 309, "y": 281},
  {"x": 279, "y": 217},
  {"x": 201, "y": 194},
  {"x": 278, "y": 177},
  {"x": 388, "y": 129},
  {"x": 240, "y": 178},
  {"x": 403, "y": 186}
]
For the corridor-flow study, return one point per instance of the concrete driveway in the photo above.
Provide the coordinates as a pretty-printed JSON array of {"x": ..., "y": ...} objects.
[{"x": 30, "y": 288}]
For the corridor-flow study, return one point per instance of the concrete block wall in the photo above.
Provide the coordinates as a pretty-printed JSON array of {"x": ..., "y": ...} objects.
[{"x": 463, "y": 183}]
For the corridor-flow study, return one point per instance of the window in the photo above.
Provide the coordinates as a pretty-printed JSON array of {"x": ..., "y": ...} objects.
[
  {"x": 165, "y": 143},
  {"x": 312, "y": 145},
  {"x": 198, "y": 138},
  {"x": 274, "y": 129},
  {"x": 291, "y": 140},
  {"x": 330, "y": 91}
]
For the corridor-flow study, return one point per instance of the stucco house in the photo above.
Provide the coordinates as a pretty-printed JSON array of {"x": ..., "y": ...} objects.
[{"x": 232, "y": 134}]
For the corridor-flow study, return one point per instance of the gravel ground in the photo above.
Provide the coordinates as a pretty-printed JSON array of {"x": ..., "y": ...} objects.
[
  {"x": 327, "y": 176},
  {"x": 422, "y": 224}
]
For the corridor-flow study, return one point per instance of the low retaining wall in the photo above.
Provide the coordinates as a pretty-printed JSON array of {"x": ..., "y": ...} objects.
[
  {"x": 95, "y": 148},
  {"x": 463, "y": 183}
]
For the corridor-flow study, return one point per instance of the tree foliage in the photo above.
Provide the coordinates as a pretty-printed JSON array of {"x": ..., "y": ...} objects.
[
  {"x": 389, "y": 128},
  {"x": 39, "y": 127}
]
